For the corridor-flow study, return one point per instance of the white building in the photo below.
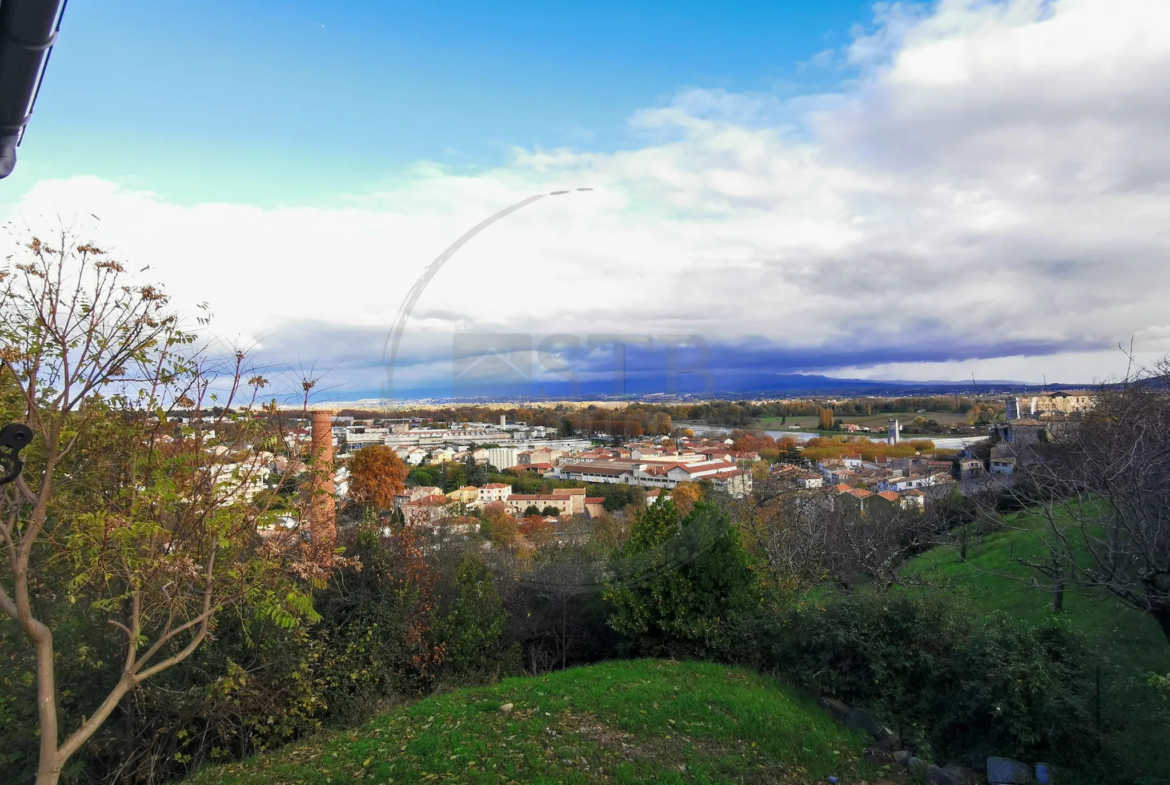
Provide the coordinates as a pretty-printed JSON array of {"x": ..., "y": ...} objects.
[
  {"x": 899, "y": 484},
  {"x": 356, "y": 438},
  {"x": 241, "y": 481},
  {"x": 503, "y": 457},
  {"x": 725, "y": 475},
  {"x": 494, "y": 492}
]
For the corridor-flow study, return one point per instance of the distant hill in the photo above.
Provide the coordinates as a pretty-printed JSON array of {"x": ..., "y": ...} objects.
[
  {"x": 725, "y": 386},
  {"x": 642, "y": 721}
]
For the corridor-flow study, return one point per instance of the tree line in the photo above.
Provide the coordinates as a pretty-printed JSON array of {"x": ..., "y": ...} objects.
[{"x": 745, "y": 413}]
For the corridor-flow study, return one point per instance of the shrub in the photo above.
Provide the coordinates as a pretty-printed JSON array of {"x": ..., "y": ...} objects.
[
  {"x": 376, "y": 628},
  {"x": 555, "y": 610},
  {"x": 473, "y": 627},
  {"x": 260, "y": 685},
  {"x": 678, "y": 585},
  {"x": 257, "y": 687},
  {"x": 968, "y": 687}
]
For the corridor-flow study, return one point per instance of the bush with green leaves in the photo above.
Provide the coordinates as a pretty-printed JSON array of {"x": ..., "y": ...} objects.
[
  {"x": 678, "y": 585},
  {"x": 964, "y": 685},
  {"x": 257, "y": 687},
  {"x": 260, "y": 685},
  {"x": 473, "y": 627},
  {"x": 377, "y": 623}
]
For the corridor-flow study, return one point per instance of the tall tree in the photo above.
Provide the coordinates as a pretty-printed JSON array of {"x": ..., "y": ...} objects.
[
  {"x": 376, "y": 476},
  {"x": 677, "y": 584},
  {"x": 151, "y": 524},
  {"x": 450, "y": 476},
  {"x": 474, "y": 473}
]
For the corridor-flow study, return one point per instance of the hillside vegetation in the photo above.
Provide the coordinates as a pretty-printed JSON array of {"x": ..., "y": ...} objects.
[
  {"x": 628, "y": 721},
  {"x": 1127, "y": 645}
]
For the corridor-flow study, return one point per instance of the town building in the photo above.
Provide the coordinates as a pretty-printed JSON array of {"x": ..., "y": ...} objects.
[
  {"x": 494, "y": 492},
  {"x": 1061, "y": 403}
]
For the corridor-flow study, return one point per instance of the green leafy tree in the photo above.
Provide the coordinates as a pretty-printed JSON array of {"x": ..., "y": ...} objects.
[
  {"x": 678, "y": 584},
  {"x": 451, "y": 476},
  {"x": 154, "y": 529},
  {"x": 424, "y": 477},
  {"x": 473, "y": 627},
  {"x": 474, "y": 473}
]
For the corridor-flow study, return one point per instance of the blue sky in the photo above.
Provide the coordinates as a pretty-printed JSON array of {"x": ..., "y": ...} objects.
[
  {"x": 883, "y": 191},
  {"x": 267, "y": 102}
]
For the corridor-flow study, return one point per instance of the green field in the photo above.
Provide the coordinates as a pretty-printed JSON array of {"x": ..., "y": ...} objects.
[
  {"x": 810, "y": 423},
  {"x": 642, "y": 721},
  {"x": 1128, "y": 645}
]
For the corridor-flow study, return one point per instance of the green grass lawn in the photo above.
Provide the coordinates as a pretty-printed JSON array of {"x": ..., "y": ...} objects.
[
  {"x": 642, "y": 721},
  {"x": 1127, "y": 644}
]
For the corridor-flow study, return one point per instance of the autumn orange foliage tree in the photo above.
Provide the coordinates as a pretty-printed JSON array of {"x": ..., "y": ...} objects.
[
  {"x": 822, "y": 448},
  {"x": 501, "y": 527},
  {"x": 751, "y": 441},
  {"x": 685, "y": 496},
  {"x": 376, "y": 476}
]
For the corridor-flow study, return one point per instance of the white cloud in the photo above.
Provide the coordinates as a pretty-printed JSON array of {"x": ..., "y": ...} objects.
[{"x": 998, "y": 176}]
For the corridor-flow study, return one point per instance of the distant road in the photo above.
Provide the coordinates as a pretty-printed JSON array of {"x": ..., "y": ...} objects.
[{"x": 942, "y": 442}]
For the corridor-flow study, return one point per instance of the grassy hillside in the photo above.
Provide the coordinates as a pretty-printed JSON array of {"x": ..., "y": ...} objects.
[
  {"x": 1129, "y": 644},
  {"x": 624, "y": 722}
]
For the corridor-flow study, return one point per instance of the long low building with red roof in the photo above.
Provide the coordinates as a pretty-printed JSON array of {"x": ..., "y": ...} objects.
[{"x": 725, "y": 475}]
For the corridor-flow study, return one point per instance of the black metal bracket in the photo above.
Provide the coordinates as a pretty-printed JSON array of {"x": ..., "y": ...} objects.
[{"x": 13, "y": 439}]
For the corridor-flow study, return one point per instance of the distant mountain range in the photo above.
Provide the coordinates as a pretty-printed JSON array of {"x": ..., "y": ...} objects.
[{"x": 772, "y": 386}]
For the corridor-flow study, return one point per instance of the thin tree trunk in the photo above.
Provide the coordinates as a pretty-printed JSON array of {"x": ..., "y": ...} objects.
[
  {"x": 1058, "y": 595},
  {"x": 48, "y": 765}
]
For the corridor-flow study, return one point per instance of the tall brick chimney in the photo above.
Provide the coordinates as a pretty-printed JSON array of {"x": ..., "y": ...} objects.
[{"x": 322, "y": 504}]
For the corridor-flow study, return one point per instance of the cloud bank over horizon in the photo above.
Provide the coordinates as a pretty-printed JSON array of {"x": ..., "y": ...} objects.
[{"x": 987, "y": 193}]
